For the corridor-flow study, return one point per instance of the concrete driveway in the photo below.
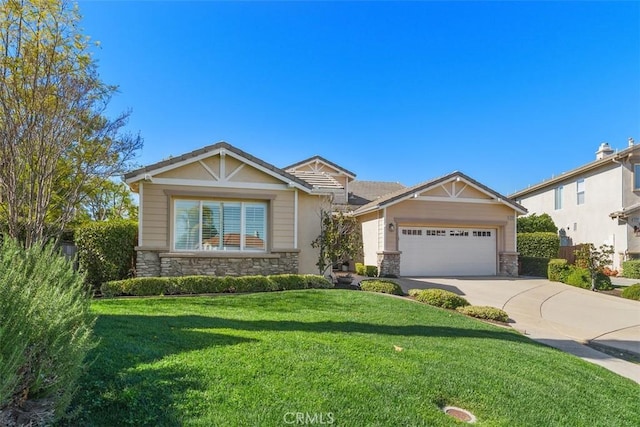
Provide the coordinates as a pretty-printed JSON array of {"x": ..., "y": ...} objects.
[{"x": 555, "y": 314}]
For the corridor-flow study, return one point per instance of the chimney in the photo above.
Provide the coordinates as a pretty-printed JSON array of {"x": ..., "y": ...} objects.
[
  {"x": 631, "y": 141},
  {"x": 604, "y": 151}
]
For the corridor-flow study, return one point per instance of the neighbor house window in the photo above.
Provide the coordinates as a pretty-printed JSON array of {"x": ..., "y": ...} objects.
[
  {"x": 558, "y": 197},
  {"x": 636, "y": 176},
  {"x": 580, "y": 191},
  {"x": 208, "y": 225}
]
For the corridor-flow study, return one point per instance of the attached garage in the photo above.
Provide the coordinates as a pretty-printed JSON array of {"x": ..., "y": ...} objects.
[
  {"x": 441, "y": 251},
  {"x": 450, "y": 226}
]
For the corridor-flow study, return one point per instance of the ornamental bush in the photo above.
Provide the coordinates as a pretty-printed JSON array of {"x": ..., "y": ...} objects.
[
  {"x": 382, "y": 286},
  {"x": 441, "y": 298},
  {"x": 45, "y": 333},
  {"x": 632, "y": 292},
  {"x": 371, "y": 270},
  {"x": 558, "y": 270},
  {"x": 360, "y": 269},
  {"x": 484, "y": 312},
  {"x": 578, "y": 277},
  {"x": 146, "y": 286},
  {"x": 538, "y": 245},
  {"x": 414, "y": 292},
  {"x": 631, "y": 269},
  {"x": 106, "y": 250}
]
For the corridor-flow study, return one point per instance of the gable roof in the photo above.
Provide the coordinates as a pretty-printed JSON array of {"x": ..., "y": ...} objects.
[
  {"x": 322, "y": 160},
  {"x": 611, "y": 159},
  {"x": 407, "y": 193},
  {"x": 209, "y": 151}
]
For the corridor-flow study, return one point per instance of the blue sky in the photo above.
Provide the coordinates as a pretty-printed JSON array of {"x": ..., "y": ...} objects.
[{"x": 509, "y": 93}]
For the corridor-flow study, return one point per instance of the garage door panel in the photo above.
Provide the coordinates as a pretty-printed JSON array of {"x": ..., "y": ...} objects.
[{"x": 436, "y": 251}]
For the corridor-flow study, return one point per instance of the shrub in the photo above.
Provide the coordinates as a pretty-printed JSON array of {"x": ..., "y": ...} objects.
[
  {"x": 414, "y": 292},
  {"x": 603, "y": 282},
  {"x": 484, "y": 312},
  {"x": 632, "y": 292},
  {"x": 201, "y": 284},
  {"x": 558, "y": 270},
  {"x": 631, "y": 269},
  {"x": 360, "y": 269},
  {"x": 106, "y": 250},
  {"x": 532, "y": 266},
  {"x": 285, "y": 282},
  {"x": 371, "y": 270},
  {"x": 314, "y": 281},
  {"x": 45, "y": 333},
  {"x": 383, "y": 286},
  {"x": 146, "y": 286},
  {"x": 538, "y": 245},
  {"x": 535, "y": 223},
  {"x": 441, "y": 298},
  {"x": 579, "y": 277}
]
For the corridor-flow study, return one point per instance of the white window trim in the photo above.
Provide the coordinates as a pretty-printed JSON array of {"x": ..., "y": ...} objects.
[
  {"x": 243, "y": 204},
  {"x": 558, "y": 195},
  {"x": 636, "y": 170},
  {"x": 578, "y": 192}
]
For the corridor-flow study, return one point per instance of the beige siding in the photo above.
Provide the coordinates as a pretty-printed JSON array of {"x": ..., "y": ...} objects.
[
  {"x": 190, "y": 171},
  {"x": 249, "y": 174},
  {"x": 155, "y": 216},
  {"x": 370, "y": 238},
  {"x": 309, "y": 208},
  {"x": 213, "y": 163},
  {"x": 282, "y": 221}
]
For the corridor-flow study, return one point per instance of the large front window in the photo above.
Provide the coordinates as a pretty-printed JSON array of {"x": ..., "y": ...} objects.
[{"x": 203, "y": 225}]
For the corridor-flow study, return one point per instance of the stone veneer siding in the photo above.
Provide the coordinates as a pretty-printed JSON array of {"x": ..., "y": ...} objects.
[
  {"x": 508, "y": 263},
  {"x": 389, "y": 263},
  {"x": 164, "y": 264}
]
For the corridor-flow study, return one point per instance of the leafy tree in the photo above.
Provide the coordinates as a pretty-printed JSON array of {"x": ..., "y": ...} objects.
[
  {"x": 54, "y": 137},
  {"x": 536, "y": 223},
  {"x": 340, "y": 240},
  {"x": 105, "y": 199},
  {"x": 594, "y": 260}
]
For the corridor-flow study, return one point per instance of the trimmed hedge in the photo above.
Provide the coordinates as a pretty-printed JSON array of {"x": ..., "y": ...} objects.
[
  {"x": 631, "y": 269},
  {"x": 533, "y": 266},
  {"x": 360, "y": 269},
  {"x": 484, "y": 312},
  {"x": 382, "y": 286},
  {"x": 414, "y": 292},
  {"x": 538, "y": 245},
  {"x": 632, "y": 292},
  {"x": 106, "y": 250},
  {"x": 441, "y": 298},
  {"x": 186, "y": 285},
  {"x": 558, "y": 270}
]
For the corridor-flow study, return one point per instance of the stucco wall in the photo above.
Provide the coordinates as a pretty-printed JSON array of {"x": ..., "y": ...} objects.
[{"x": 588, "y": 222}]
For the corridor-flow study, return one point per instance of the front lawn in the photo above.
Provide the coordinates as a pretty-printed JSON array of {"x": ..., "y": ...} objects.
[{"x": 342, "y": 357}]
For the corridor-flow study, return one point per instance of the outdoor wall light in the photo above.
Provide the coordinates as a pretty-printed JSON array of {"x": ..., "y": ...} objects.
[{"x": 392, "y": 227}]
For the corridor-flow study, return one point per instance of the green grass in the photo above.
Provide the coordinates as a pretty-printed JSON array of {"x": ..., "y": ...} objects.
[{"x": 249, "y": 360}]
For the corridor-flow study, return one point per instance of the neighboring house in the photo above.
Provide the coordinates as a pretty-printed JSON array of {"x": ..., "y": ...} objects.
[
  {"x": 221, "y": 211},
  {"x": 450, "y": 226},
  {"x": 595, "y": 203}
]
